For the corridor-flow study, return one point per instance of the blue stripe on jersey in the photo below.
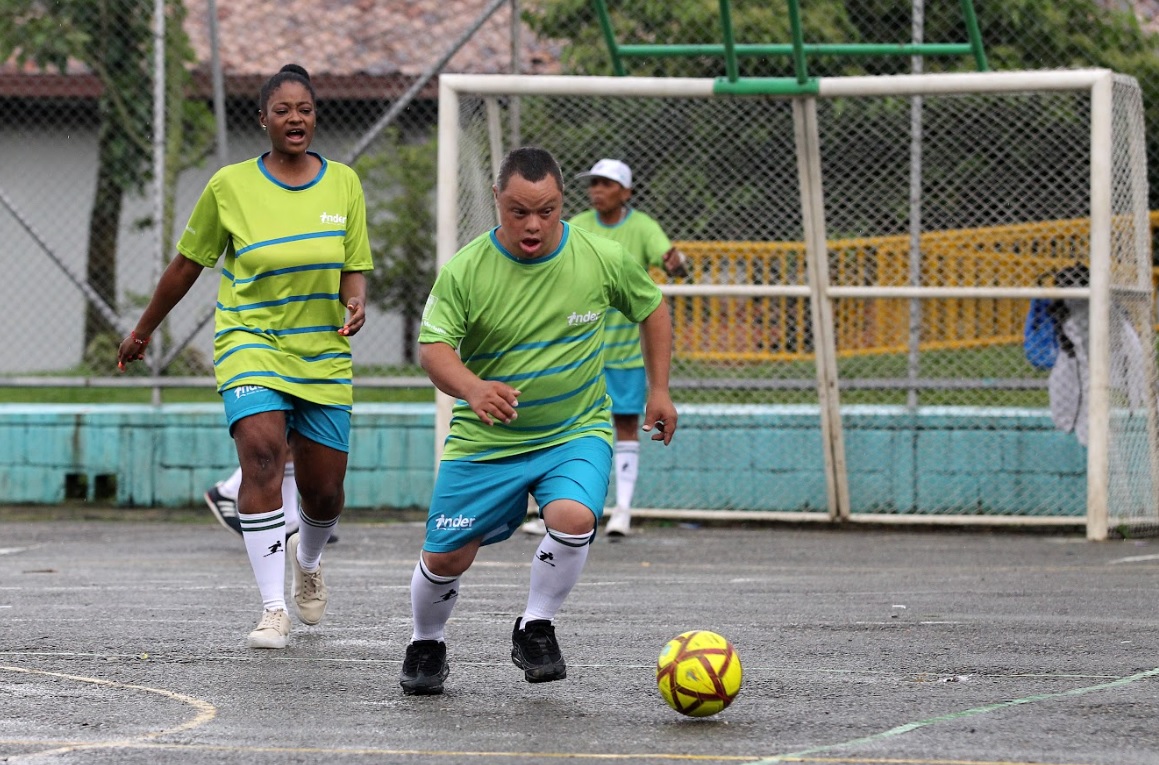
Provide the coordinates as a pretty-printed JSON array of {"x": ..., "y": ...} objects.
[
  {"x": 246, "y": 346},
  {"x": 532, "y": 441},
  {"x": 554, "y": 425},
  {"x": 268, "y": 347},
  {"x": 285, "y": 239},
  {"x": 251, "y": 330},
  {"x": 537, "y": 261},
  {"x": 621, "y": 343},
  {"x": 562, "y": 396},
  {"x": 284, "y": 271},
  {"x": 281, "y": 332},
  {"x": 549, "y": 370},
  {"x": 324, "y": 356},
  {"x": 524, "y": 403},
  {"x": 316, "y": 179},
  {"x": 302, "y": 380},
  {"x": 283, "y": 301},
  {"x": 532, "y": 346}
]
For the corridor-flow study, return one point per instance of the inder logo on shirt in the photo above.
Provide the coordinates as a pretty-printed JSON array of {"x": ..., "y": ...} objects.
[
  {"x": 583, "y": 318},
  {"x": 328, "y": 218}
]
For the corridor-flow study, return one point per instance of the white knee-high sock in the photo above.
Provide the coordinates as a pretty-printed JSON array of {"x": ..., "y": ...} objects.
[
  {"x": 432, "y": 598},
  {"x": 265, "y": 542},
  {"x": 312, "y": 538},
  {"x": 555, "y": 569},
  {"x": 626, "y": 462},
  {"x": 230, "y": 486},
  {"x": 290, "y": 499}
]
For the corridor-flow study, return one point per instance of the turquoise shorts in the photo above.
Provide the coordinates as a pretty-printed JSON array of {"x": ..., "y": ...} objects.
[
  {"x": 326, "y": 425},
  {"x": 628, "y": 389},
  {"x": 488, "y": 499}
]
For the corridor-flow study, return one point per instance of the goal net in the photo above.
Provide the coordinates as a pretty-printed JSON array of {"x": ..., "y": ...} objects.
[{"x": 849, "y": 344}]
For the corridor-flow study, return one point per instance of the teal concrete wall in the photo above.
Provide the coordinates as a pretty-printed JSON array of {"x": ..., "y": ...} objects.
[{"x": 951, "y": 460}]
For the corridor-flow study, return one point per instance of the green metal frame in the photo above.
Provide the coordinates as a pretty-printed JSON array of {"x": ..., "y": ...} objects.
[{"x": 733, "y": 84}]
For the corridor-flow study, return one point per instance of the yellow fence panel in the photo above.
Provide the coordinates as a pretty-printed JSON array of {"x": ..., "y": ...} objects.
[{"x": 778, "y": 328}]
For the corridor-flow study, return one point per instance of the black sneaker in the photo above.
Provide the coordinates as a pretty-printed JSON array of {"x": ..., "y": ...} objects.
[
  {"x": 425, "y": 668},
  {"x": 534, "y": 650},
  {"x": 224, "y": 509}
]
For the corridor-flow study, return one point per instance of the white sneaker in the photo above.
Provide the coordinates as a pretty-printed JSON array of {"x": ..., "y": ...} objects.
[
  {"x": 309, "y": 590},
  {"x": 619, "y": 524},
  {"x": 272, "y": 630},
  {"x": 534, "y": 526}
]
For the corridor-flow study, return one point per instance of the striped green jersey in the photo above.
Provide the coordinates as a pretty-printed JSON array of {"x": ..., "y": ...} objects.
[
  {"x": 644, "y": 240},
  {"x": 278, "y": 307},
  {"x": 538, "y": 326}
]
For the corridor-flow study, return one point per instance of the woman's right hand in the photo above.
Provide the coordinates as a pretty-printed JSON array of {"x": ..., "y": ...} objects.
[{"x": 132, "y": 349}]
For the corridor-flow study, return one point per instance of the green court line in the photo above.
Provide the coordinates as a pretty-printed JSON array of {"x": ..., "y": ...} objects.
[{"x": 907, "y": 727}]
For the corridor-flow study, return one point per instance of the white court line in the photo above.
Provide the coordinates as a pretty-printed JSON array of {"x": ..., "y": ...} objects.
[
  {"x": 11, "y": 550},
  {"x": 205, "y": 713},
  {"x": 1135, "y": 559},
  {"x": 951, "y": 716}
]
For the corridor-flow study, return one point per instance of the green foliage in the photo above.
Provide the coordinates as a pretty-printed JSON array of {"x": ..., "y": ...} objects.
[
  {"x": 399, "y": 183},
  {"x": 1017, "y": 34},
  {"x": 114, "y": 40}
]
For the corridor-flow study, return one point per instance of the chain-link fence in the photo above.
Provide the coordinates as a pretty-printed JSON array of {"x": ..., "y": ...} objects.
[
  {"x": 87, "y": 228},
  {"x": 943, "y": 191},
  {"x": 948, "y": 415}
]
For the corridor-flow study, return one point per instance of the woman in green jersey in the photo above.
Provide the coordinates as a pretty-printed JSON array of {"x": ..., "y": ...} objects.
[{"x": 290, "y": 229}]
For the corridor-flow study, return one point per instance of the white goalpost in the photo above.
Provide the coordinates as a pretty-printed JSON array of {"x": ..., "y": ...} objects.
[{"x": 789, "y": 354}]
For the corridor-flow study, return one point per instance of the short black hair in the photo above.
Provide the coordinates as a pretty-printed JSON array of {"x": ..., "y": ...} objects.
[
  {"x": 531, "y": 163},
  {"x": 288, "y": 73}
]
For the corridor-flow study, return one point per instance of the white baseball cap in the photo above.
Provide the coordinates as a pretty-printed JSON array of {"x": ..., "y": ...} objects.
[{"x": 613, "y": 170}]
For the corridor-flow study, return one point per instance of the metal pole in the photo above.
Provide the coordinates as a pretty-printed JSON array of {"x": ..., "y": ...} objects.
[
  {"x": 808, "y": 141},
  {"x": 446, "y": 224},
  {"x": 913, "y": 362},
  {"x": 157, "y": 350},
  {"x": 1098, "y": 411},
  {"x": 218, "y": 85},
  {"x": 516, "y": 66}
]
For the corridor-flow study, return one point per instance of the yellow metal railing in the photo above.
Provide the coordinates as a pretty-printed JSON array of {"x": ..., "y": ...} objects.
[{"x": 778, "y": 328}]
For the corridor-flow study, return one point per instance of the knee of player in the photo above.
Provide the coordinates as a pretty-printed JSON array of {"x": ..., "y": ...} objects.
[
  {"x": 325, "y": 501},
  {"x": 452, "y": 563},
  {"x": 569, "y": 517},
  {"x": 572, "y": 540}
]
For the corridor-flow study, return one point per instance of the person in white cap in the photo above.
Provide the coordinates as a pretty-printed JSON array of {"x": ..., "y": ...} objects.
[{"x": 610, "y": 215}]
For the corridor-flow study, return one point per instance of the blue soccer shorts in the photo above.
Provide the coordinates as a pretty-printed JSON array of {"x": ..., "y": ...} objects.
[
  {"x": 488, "y": 499},
  {"x": 628, "y": 389},
  {"x": 326, "y": 425}
]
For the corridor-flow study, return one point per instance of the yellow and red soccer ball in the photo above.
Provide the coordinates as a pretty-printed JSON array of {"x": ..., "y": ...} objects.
[{"x": 698, "y": 673}]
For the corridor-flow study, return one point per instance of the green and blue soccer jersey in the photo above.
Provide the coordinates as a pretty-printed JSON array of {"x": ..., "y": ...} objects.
[
  {"x": 286, "y": 247},
  {"x": 538, "y": 326},
  {"x": 644, "y": 240}
]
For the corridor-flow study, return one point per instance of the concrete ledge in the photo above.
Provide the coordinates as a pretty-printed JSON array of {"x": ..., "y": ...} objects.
[{"x": 749, "y": 459}]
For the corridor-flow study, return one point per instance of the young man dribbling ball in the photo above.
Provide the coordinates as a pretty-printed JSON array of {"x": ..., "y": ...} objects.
[{"x": 513, "y": 331}]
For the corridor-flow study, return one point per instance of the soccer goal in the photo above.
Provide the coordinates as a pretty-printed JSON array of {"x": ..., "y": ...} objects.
[{"x": 849, "y": 343}]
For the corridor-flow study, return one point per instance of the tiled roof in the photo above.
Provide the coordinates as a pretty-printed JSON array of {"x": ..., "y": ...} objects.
[
  {"x": 1147, "y": 12},
  {"x": 352, "y": 48},
  {"x": 351, "y": 37}
]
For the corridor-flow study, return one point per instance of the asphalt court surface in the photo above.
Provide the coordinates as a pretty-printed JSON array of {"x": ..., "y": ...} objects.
[{"x": 123, "y": 642}]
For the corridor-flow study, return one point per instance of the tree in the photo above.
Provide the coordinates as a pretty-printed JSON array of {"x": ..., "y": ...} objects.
[
  {"x": 114, "y": 40},
  {"x": 1017, "y": 34},
  {"x": 400, "y": 181}
]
